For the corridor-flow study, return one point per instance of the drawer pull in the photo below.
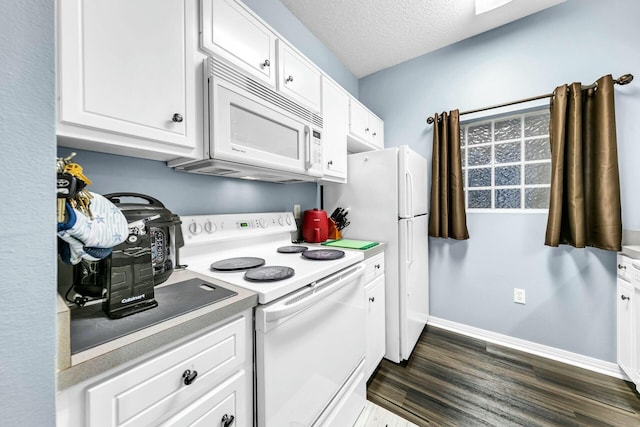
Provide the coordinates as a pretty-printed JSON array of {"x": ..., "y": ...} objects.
[
  {"x": 624, "y": 297},
  {"x": 189, "y": 376},
  {"x": 377, "y": 266},
  {"x": 372, "y": 299},
  {"x": 227, "y": 420},
  {"x": 622, "y": 267}
]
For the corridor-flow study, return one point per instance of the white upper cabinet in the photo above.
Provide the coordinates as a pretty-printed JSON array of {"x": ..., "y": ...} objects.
[
  {"x": 298, "y": 78},
  {"x": 125, "y": 76},
  {"x": 335, "y": 113},
  {"x": 229, "y": 31},
  {"x": 366, "y": 130}
]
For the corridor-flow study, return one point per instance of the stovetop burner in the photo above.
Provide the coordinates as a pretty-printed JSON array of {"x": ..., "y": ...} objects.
[
  {"x": 323, "y": 254},
  {"x": 269, "y": 273},
  {"x": 235, "y": 264},
  {"x": 292, "y": 249}
]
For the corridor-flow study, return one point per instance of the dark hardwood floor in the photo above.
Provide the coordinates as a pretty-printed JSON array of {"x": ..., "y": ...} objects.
[{"x": 454, "y": 380}]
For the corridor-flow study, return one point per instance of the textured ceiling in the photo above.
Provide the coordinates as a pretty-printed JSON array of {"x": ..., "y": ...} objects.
[{"x": 371, "y": 35}]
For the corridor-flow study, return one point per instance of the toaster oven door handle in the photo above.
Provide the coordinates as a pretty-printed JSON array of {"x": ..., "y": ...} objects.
[{"x": 301, "y": 300}]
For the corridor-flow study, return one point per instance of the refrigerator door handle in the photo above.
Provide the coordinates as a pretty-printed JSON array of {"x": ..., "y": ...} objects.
[
  {"x": 409, "y": 193},
  {"x": 410, "y": 242}
]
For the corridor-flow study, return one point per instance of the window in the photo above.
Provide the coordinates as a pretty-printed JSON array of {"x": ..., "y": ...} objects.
[{"x": 506, "y": 162}]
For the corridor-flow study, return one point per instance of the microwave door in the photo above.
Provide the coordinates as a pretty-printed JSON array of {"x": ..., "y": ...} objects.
[{"x": 245, "y": 130}]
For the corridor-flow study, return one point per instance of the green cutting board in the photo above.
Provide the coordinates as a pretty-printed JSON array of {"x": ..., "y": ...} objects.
[{"x": 350, "y": 244}]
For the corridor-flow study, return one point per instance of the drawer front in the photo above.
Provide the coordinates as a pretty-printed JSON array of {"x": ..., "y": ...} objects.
[
  {"x": 374, "y": 267},
  {"x": 625, "y": 268},
  {"x": 156, "y": 388},
  {"x": 227, "y": 401}
]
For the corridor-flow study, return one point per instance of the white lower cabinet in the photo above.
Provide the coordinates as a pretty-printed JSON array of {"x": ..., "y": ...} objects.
[
  {"x": 374, "y": 292},
  {"x": 204, "y": 381},
  {"x": 628, "y": 317}
]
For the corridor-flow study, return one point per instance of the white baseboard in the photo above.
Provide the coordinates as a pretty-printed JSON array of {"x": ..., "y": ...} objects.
[{"x": 574, "y": 359}]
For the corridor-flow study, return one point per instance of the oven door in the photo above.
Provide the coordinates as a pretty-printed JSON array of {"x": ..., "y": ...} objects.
[
  {"x": 248, "y": 130},
  {"x": 309, "y": 345}
]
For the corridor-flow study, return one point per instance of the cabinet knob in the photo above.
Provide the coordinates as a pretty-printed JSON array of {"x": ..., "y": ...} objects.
[
  {"x": 189, "y": 376},
  {"x": 622, "y": 267},
  {"x": 177, "y": 118},
  {"x": 374, "y": 134},
  {"x": 372, "y": 299},
  {"x": 227, "y": 420},
  {"x": 367, "y": 130},
  {"x": 266, "y": 63},
  {"x": 624, "y": 297},
  {"x": 289, "y": 79},
  {"x": 377, "y": 266},
  {"x": 330, "y": 162}
]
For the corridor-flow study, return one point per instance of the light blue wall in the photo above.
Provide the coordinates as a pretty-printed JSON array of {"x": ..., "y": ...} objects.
[
  {"x": 27, "y": 237},
  {"x": 570, "y": 292},
  {"x": 189, "y": 194},
  {"x": 274, "y": 13}
]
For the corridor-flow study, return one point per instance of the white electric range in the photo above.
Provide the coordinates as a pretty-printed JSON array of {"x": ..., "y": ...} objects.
[{"x": 310, "y": 321}]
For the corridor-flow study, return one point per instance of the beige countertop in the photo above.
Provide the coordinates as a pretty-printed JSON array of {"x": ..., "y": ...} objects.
[{"x": 75, "y": 368}]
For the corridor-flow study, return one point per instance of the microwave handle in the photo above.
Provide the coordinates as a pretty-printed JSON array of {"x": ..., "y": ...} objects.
[{"x": 307, "y": 137}]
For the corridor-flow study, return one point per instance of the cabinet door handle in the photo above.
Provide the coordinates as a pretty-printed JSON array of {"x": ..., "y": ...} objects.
[
  {"x": 266, "y": 63},
  {"x": 289, "y": 79},
  {"x": 622, "y": 267},
  {"x": 372, "y": 299},
  {"x": 227, "y": 420},
  {"x": 624, "y": 297},
  {"x": 189, "y": 376},
  {"x": 177, "y": 118}
]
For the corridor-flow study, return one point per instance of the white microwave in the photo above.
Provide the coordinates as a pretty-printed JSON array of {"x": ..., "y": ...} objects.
[{"x": 254, "y": 132}]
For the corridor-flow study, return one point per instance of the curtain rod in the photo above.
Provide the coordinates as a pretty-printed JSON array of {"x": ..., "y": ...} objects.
[{"x": 622, "y": 80}]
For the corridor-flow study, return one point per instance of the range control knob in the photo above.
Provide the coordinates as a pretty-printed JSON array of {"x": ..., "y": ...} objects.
[
  {"x": 262, "y": 222},
  {"x": 210, "y": 227},
  {"x": 195, "y": 228},
  {"x": 280, "y": 220},
  {"x": 288, "y": 220}
]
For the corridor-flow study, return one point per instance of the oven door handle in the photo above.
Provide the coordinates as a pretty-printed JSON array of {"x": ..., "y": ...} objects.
[{"x": 322, "y": 288}]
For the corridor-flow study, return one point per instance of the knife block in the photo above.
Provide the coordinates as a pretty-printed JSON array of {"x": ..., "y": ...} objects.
[{"x": 334, "y": 233}]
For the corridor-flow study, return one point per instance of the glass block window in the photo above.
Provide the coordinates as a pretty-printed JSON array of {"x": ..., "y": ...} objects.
[{"x": 506, "y": 162}]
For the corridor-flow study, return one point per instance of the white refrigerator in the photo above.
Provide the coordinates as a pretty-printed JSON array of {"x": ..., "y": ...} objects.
[{"x": 386, "y": 198}]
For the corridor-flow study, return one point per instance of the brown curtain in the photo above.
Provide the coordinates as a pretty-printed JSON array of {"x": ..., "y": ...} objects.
[
  {"x": 584, "y": 206},
  {"x": 447, "y": 214}
]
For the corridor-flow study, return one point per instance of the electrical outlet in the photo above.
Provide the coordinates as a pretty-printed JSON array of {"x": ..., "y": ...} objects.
[
  {"x": 518, "y": 296},
  {"x": 296, "y": 211}
]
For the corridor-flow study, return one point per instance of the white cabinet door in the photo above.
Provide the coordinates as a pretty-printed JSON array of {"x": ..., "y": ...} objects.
[
  {"x": 376, "y": 131},
  {"x": 358, "y": 120},
  {"x": 366, "y": 130},
  {"x": 625, "y": 328},
  {"x": 335, "y": 113},
  {"x": 298, "y": 78},
  {"x": 156, "y": 389},
  {"x": 226, "y": 403},
  {"x": 233, "y": 33},
  {"x": 374, "y": 293},
  {"x": 124, "y": 68}
]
